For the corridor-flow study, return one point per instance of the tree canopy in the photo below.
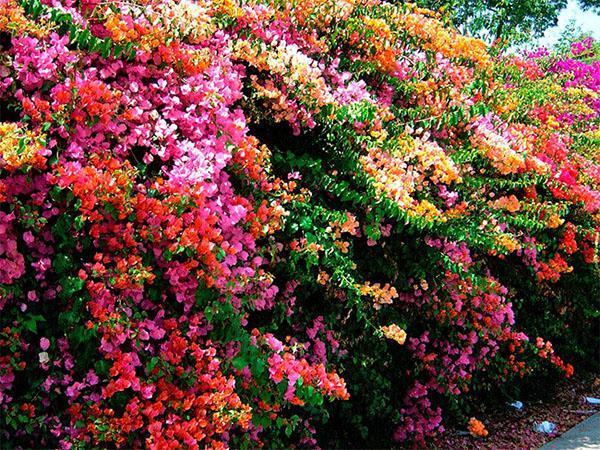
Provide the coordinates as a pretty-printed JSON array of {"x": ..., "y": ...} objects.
[{"x": 512, "y": 20}]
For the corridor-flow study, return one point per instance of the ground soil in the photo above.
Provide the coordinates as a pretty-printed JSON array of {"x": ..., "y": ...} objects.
[{"x": 511, "y": 429}]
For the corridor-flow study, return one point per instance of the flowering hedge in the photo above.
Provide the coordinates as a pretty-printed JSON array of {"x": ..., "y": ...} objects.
[{"x": 237, "y": 224}]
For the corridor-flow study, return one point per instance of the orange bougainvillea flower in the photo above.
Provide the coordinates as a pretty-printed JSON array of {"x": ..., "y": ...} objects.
[
  {"x": 395, "y": 333},
  {"x": 477, "y": 428},
  {"x": 382, "y": 295}
]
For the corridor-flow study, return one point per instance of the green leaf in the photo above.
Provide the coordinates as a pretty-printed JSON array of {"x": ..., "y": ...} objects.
[
  {"x": 152, "y": 364},
  {"x": 239, "y": 362}
]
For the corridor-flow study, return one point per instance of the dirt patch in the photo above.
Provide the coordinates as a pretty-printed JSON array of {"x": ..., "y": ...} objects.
[{"x": 511, "y": 429}]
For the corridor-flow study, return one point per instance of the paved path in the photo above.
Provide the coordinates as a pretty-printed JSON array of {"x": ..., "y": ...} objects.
[{"x": 586, "y": 435}]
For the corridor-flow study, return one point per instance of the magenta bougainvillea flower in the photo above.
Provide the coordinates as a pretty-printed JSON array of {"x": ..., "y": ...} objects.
[{"x": 284, "y": 224}]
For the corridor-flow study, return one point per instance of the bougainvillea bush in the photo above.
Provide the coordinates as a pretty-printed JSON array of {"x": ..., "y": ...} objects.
[{"x": 265, "y": 223}]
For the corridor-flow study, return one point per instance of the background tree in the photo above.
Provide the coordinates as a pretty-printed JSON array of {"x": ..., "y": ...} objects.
[
  {"x": 510, "y": 20},
  {"x": 594, "y": 5}
]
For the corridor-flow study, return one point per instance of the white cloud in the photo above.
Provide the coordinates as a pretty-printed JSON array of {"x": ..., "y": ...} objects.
[{"x": 587, "y": 21}]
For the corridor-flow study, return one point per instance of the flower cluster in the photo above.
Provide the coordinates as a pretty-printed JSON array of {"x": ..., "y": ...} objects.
[
  {"x": 477, "y": 428},
  {"x": 395, "y": 333},
  {"x": 217, "y": 218}
]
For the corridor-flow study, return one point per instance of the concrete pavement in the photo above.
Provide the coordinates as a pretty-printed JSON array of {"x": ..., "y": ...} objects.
[{"x": 586, "y": 436}]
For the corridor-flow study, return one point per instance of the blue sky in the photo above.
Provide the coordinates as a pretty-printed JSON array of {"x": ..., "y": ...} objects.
[{"x": 586, "y": 20}]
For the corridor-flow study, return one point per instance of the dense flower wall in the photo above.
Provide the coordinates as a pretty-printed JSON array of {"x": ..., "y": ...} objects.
[{"x": 264, "y": 223}]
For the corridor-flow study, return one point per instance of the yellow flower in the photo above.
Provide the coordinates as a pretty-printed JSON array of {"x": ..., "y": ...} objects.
[
  {"x": 395, "y": 333},
  {"x": 508, "y": 242},
  {"x": 427, "y": 210},
  {"x": 382, "y": 295},
  {"x": 20, "y": 148},
  {"x": 554, "y": 221}
]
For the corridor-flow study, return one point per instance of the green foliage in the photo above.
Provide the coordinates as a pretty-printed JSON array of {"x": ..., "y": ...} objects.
[{"x": 511, "y": 21}]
